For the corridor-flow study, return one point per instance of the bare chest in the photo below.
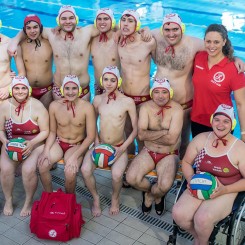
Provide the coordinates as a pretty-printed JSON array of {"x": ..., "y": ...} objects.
[{"x": 175, "y": 58}]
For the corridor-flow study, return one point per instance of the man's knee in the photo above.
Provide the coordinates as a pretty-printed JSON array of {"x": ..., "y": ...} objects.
[{"x": 133, "y": 178}]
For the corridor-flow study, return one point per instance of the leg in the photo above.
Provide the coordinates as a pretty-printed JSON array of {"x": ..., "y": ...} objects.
[
  {"x": 56, "y": 154},
  {"x": 166, "y": 170},
  {"x": 140, "y": 166},
  {"x": 71, "y": 174},
  {"x": 30, "y": 180},
  {"x": 7, "y": 180},
  {"x": 117, "y": 171},
  {"x": 46, "y": 99},
  {"x": 184, "y": 210},
  {"x": 186, "y": 132},
  {"x": 87, "y": 170},
  {"x": 209, "y": 213}
]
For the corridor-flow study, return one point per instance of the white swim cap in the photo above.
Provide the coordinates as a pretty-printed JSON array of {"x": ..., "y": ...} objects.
[
  {"x": 20, "y": 80},
  {"x": 71, "y": 79},
  {"x": 135, "y": 15},
  {"x": 225, "y": 110},
  {"x": 111, "y": 70},
  {"x": 162, "y": 83},
  {"x": 66, "y": 8},
  {"x": 174, "y": 18}
]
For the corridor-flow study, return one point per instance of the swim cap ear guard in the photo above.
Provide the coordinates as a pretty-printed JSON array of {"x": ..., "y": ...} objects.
[
  {"x": 58, "y": 21},
  {"x": 162, "y": 83},
  {"x": 66, "y": 8},
  {"x": 136, "y": 17},
  {"x": 173, "y": 18},
  {"x": 20, "y": 80},
  {"x": 171, "y": 93},
  {"x": 227, "y": 111},
  {"x": 71, "y": 79},
  {"x": 35, "y": 18},
  {"x": 111, "y": 70},
  {"x": 118, "y": 84},
  {"x": 11, "y": 93},
  {"x": 109, "y": 13},
  {"x": 79, "y": 91},
  {"x": 1, "y": 24},
  {"x": 234, "y": 122}
]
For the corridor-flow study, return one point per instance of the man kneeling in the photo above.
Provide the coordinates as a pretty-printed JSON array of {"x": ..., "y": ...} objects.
[{"x": 159, "y": 126}]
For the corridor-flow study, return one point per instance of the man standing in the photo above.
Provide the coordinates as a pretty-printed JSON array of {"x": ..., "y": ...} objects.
[
  {"x": 160, "y": 124},
  {"x": 6, "y": 74},
  {"x": 103, "y": 48},
  {"x": 36, "y": 53},
  {"x": 71, "y": 49},
  {"x": 135, "y": 57}
]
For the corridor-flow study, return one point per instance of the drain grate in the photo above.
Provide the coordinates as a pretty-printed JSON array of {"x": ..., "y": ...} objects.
[{"x": 127, "y": 210}]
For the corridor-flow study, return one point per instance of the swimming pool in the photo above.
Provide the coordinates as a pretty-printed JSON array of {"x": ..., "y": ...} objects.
[{"x": 197, "y": 15}]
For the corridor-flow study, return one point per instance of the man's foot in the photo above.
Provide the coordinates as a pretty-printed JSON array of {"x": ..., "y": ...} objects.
[
  {"x": 114, "y": 209},
  {"x": 96, "y": 210},
  {"x": 8, "y": 208},
  {"x": 161, "y": 206},
  {"x": 145, "y": 209},
  {"x": 26, "y": 210}
]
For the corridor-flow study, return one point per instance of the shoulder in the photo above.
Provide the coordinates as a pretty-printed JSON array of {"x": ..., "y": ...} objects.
[
  {"x": 86, "y": 105},
  {"x": 5, "y": 105},
  {"x": 37, "y": 105},
  {"x": 98, "y": 99}
]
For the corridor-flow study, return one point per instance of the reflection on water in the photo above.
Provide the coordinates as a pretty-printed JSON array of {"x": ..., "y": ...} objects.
[{"x": 233, "y": 21}]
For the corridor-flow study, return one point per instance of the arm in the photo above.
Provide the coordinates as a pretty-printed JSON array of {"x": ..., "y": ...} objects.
[
  {"x": 192, "y": 151},
  {"x": 143, "y": 133},
  {"x": 240, "y": 65},
  {"x": 95, "y": 104},
  {"x": 90, "y": 131},
  {"x": 15, "y": 41},
  {"x": 134, "y": 120},
  {"x": 170, "y": 136},
  {"x": 19, "y": 62},
  {"x": 3, "y": 137},
  {"x": 240, "y": 102},
  {"x": 51, "y": 137}
]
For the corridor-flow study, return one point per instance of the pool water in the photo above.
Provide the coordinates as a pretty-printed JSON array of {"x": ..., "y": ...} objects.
[{"x": 196, "y": 15}]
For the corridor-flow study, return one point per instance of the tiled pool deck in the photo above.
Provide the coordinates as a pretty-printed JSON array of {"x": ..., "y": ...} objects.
[{"x": 129, "y": 227}]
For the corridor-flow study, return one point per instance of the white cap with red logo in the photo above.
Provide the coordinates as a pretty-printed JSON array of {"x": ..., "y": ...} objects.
[{"x": 71, "y": 79}]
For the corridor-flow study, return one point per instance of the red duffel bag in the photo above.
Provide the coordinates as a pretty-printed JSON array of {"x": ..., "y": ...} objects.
[{"x": 56, "y": 216}]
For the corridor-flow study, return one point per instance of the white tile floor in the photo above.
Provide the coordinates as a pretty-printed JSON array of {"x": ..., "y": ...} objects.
[{"x": 129, "y": 227}]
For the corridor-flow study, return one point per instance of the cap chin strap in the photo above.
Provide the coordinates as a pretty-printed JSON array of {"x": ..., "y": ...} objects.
[
  {"x": 124, "y": 39},
  {"x": 69, "y": 35},
  {"x": 70, "y": 105},
  {"x": 216, "y": 141},
  {"x": 103, "y": 37},
  {"x": 170, "y": 48},
  {"x": 37, "y": 41},
  {"x": 20, "y": 106}
]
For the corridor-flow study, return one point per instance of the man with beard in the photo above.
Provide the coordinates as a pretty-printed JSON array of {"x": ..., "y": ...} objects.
[
  {"x": 71, "y": 49},
  {"x": 174, "y": 58}
]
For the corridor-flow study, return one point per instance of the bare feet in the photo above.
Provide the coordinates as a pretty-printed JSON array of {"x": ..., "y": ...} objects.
[
  {"x": 8, "y": 208},
  {"x": 26, "y": 210},
  {"x": 114, "y": 209},
  {"x": 96, "y": 210}
]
